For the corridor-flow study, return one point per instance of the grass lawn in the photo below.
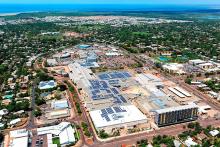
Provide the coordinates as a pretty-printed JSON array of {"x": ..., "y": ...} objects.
[
  {"x": 77, "y": 135},
  {"x": 56, "y": 140}
]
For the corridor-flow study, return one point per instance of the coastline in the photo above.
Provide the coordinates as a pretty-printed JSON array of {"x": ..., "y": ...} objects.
[
  {"x": 9, "y": 14},
  {"x": 16, "y": 13}
]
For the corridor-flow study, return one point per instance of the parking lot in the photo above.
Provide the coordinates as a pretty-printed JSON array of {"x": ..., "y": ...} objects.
[{"x": 39, "y": 141}]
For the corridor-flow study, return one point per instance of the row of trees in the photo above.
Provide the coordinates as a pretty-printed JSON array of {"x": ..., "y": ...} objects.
[{"x": 86, "y": 129}]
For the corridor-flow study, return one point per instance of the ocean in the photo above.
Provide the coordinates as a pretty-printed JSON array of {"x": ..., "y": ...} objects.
[{"x": 12, "y": 8}]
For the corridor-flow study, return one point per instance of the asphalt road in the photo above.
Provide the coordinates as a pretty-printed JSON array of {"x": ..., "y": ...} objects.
[
  {"x": 30, "y": 124},
  {"x": 169, "y": 130}
]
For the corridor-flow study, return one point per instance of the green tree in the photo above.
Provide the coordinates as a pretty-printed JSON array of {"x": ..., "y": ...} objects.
[
  {"x": 37, "y": 112},
  {"x": 40, "y": 101},
  {"x": 1, "y": 137},
  {"x": 103, "y": 134},
  {"x": 188, "y": 80}
]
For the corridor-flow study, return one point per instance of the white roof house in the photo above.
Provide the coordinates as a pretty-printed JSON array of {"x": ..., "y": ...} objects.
[
  {"x": 114, "y": 117},
  {"x": 177, "y": 143},
  {"x": 149, "y": 145},
  {"x": 3, "y": 112},
  {"x": 213, "y": 94},
  {"x": 64, "y": 130},
  {"x": 189, "y": 142},
  {"x": 112, "y": 54},
  {"x": 214, "y": 132},
  {"x": 1, "y": 125},
  {"x": 15, "y": 121}
]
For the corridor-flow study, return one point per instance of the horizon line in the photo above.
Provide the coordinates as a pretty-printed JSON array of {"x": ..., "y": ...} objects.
[{"x": 102, "y": 4}]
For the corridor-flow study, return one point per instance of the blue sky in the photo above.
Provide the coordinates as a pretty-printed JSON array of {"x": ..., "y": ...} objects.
[{"x": 110, "y": 1}]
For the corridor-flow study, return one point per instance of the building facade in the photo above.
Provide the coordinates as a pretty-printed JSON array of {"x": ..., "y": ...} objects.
[{"x": 176, "y": 115}]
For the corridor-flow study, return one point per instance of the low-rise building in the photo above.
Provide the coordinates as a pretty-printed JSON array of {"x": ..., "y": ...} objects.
[
  {"x": 52, "y": 62},
  {"x": 174, "y": 68},
  {"x": 19, "y": 138},
  {"x": 55, "y": 114},
  {"x": 196, "y": 62},
  {"x": 64, "y": 131},
  {"x": 47, "y": 85},
  {"x": 117, "y": 117},
  {"x": 3, "y": 112},
  {"x": 14, "y": 121},
  {"x": 189, "y": 142},
  {"x": 214, "y": 133},
  {"x": 65, "y": 55},
  {"x": 207, "y": 66},
  {"x": 59, "y": 104}
]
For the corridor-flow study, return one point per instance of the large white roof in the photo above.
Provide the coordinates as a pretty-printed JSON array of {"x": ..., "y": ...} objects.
[
  {"x": 18, "y": 133},
  {"x": 67, "y": 136},
  {"x": 80, "y": 75},
  {"x": 19, "y": 142},
  {"x": 59, "y": 104},
  {"x": 197, "y": 61},
  {"x": 47, "y": 84},
  {"x": 174, "y": 67},
  {"x": 64, "y": 130},
  {"x": 131, "y": 114},
  {"x": 170, "y": 109},
  {"x": 56, "y": 130},
  {"x": 112, "y": 54},
  {"x": 148, "y": 79},
  {"x": 59, "y": 113}
]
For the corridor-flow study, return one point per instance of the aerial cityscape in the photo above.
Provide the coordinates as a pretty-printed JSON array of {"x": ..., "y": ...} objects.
[{"x": 110, "y": 74}]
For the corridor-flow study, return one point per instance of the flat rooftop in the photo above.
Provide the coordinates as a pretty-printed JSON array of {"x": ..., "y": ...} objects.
[
  {"x": 47, "y": 84},
  {"x": 156, "y": 98},
  {"x": 117, "y": 115},
  {"x": 103, "y": 91},
  {"x": 189, "y": 106}
]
